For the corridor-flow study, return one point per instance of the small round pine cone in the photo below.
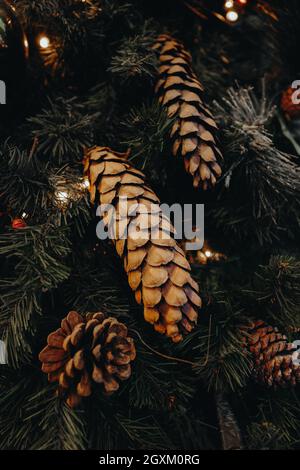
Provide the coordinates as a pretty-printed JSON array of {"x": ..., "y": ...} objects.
[
  {"x": 275, "y": 359},
  {"x": 87, "y": 352}
]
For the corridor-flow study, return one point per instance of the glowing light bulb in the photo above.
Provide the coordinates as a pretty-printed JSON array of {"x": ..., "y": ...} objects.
[
  {"x": 208, "y": 254},
  {"x": 86, "y": 183},
  {"x": 62, "y": 197},
  {"x": 243, "y": 2},
  {"x": 228, "y": 4},
  {"x": 232, "y": 16},
  {"x": 44, "y": 42}
]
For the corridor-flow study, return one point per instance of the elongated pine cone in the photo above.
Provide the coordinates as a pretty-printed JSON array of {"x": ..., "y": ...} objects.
[
  {"x": 86, "y": 353},
  {"x": 275, "y": 359},
  {"x": 158, "y": 271},
  {"x": 194, "y": 129}
]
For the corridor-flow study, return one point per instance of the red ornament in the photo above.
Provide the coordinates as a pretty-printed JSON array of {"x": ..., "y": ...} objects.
[
  {"x": 18, "y": 223},
  {"x": 289, "y": 105}
]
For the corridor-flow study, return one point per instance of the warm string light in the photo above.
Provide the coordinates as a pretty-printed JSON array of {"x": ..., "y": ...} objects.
[
  {"x": 26, "y": 45},
  {"x": 44, "y": 42},
  {"x": 233, "y": 8},
  {"x": 85, "y": 183},
  {"x": 48, "y": 47},
  {"x": 205, "y": 255},
  {"x": 232, "y": 16},
  {"x": 64, "y": 197}
]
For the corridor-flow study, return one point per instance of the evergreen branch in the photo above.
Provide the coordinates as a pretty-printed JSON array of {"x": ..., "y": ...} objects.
[
  {"x": 112, "y": 426},
  {"x": 145, "y": 131},
  {"x": 277, "y": 290},
  {"x": 36, "y": 257},
  {"x": 63, "y": 130},
  {"x": 154, "y": 382},
  {"x": 266, "y": 436},
  {"x": 145, "y": 432},
  {"x": 18, "y": 310},
  {"x": 135, "y": 56},
  {"x": 283, "y": 411},
  {"x": 228, "y": 365},
  {"x": 61, "y": 427},
  {"x": 271, "y": 181},
  {"x": 33, "y": 418},
  {"x": 23, "y": 182}
]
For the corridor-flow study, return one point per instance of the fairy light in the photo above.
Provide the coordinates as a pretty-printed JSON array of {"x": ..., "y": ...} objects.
[
  {"x": 44, "y": 42},
  {"x": 229, "y": 4},
  {"x": 232, "y": 16},
  {"x": 24, "y": 215},
  {"x": 85, "y": 183},
  {"x": 208, "y": 254},
  {"x": 62, "y": 198},
  {"x": 73, "y": 193}
]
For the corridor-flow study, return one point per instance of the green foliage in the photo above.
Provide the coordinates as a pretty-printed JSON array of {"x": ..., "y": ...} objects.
[
  {"x": 271, "y": 183},
  {"x": 146, "y": 130},
  {"x": 222, "y": 362},
  {"x": 266, "y": 436},
  {"x": 156, "y": 381},
  {"x": 35, "y": 263},
  {"x": 135, "y": 57},
  {"x": 276, "y": 422},
  {"x": 277, "y": 290},
  {"x": 110, "y": 428},
  {"x": 63, "y": 130},
  {"x": 32, "y": 418},
  {"x": 23, "y": 183}
]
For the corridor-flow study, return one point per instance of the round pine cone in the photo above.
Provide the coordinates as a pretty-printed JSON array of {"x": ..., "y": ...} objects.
[
  {"x": 87, "y": 352},
  {"x": 290, "y": 109},
  {"x": 274, "y": 357}
]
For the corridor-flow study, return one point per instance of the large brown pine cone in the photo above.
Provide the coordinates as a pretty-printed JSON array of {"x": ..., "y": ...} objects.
[
  {"x": 194, "y": 129},
  {"x": 274, "y": 357},
  {"x": 157, "y": 269},
  {"x": 87, "y": 352}
]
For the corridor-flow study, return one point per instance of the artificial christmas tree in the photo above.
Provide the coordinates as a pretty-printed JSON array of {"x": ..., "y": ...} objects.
[{"x": 125, "y": 76}]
